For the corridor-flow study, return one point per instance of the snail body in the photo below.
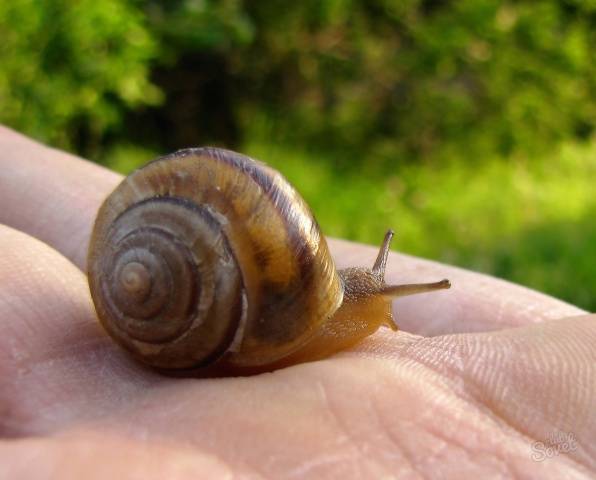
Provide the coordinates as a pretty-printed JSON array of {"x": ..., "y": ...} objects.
[{"x": 206, "y": 256}]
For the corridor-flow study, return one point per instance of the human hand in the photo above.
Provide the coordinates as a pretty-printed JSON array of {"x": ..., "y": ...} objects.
[{"x": 457, "y": 393}]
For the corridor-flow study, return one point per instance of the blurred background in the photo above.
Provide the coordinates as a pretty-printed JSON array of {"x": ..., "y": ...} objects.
[{"x": 469, "y": 127}]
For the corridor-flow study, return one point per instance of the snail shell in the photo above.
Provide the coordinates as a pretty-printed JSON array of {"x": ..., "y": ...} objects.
[{"x": 206, "y": 255}]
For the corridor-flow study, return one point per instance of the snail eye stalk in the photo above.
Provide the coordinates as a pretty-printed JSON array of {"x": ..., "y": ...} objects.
[{"x": 406, "y": 289}]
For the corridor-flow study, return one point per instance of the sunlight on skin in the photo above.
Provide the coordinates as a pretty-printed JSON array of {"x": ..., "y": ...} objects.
[{"x": 72, "y": 404}]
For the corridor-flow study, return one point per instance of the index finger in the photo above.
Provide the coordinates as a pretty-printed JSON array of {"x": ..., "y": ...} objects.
[
  {"x": 50, "y": 194},
  {"x": 54, "y": 196}
]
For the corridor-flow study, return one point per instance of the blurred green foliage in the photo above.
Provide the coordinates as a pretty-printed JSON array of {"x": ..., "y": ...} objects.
[
  {"x": 467, "y": 126},
  {"x": 71, "y": 68}
]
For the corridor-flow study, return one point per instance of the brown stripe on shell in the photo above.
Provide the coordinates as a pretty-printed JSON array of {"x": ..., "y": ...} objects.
[
  {"x": 264, "y": 177},
  {"x": 182, "y": 202}
]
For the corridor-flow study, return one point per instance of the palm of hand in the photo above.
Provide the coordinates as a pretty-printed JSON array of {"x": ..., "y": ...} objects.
[{"x": 451, "y": 404}]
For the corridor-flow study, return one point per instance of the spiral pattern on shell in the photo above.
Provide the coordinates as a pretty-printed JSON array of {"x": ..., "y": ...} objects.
[
  {"x": 167, "y": 265},
  {"x": 206, "y": 252}
]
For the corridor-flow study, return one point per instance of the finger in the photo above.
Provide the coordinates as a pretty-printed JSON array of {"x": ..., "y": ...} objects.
[
  {"x": 49, "y": 194},
  {"x": 64, "y": 193},
  {"x": 92, "y": 456},
  {"x": 474, "y": 303},
  {"x": 55, "y": 361}
]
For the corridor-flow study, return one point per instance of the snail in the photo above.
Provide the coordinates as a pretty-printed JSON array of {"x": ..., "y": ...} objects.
[{"x": 207, "y": 257}]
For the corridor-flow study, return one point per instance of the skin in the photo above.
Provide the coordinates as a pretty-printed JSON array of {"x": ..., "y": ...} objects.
[{"x": 477, "y": 374}]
